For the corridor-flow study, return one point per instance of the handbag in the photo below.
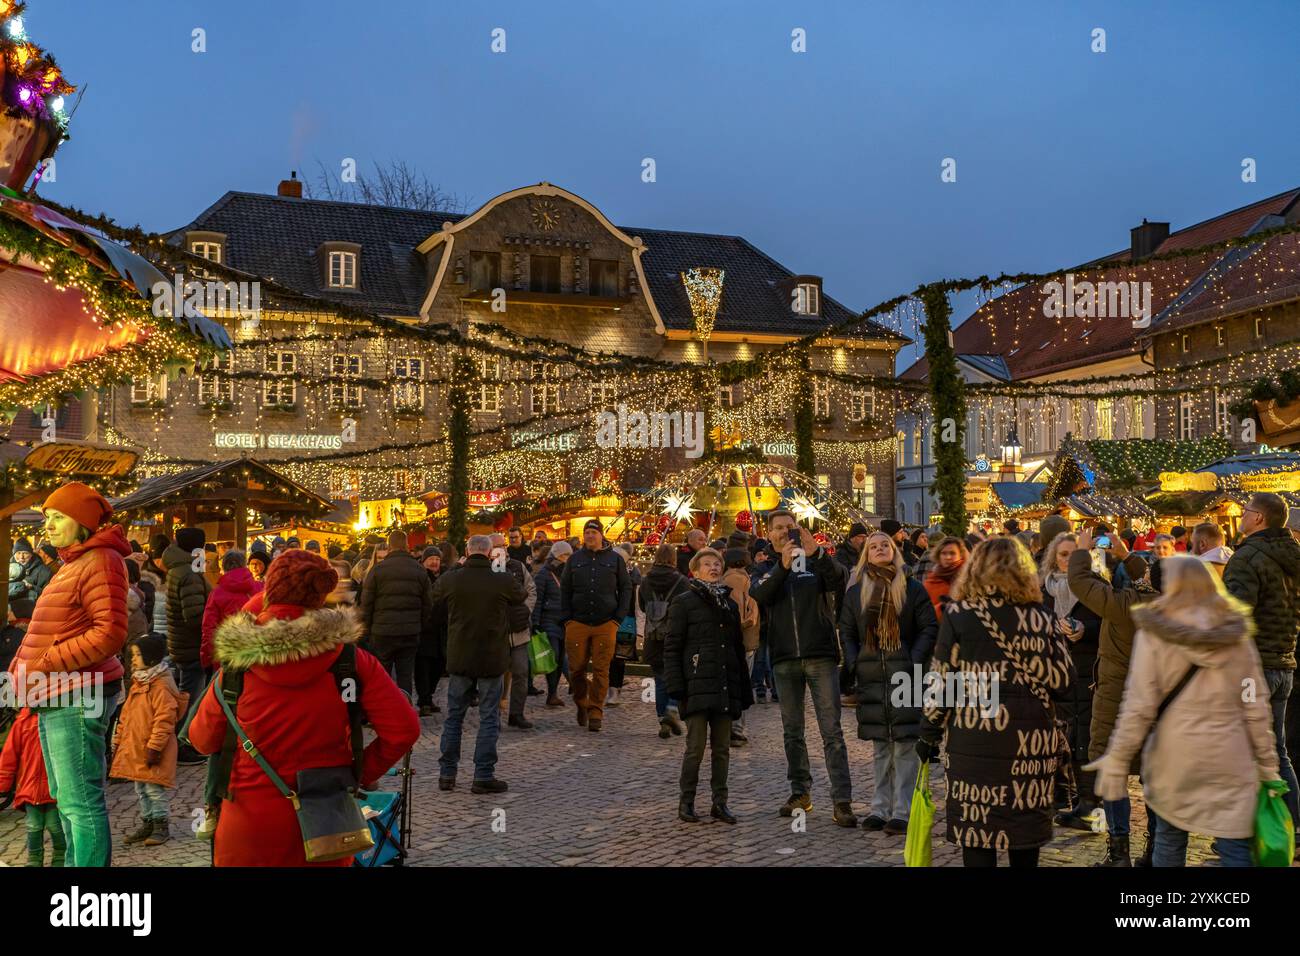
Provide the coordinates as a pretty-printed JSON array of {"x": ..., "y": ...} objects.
[
  {"x": 920, "y": 821},
  {"x": 625, "y": 639},
  {"x": 541, "y": 656},
  {"x": 325, "y": 801},
  {"x": 1274, "y": 841}
]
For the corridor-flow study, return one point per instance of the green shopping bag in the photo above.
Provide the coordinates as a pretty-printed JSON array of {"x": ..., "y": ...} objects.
[
  {"x": 1274, "y": 840},
  {"x": 541, "y": 656},
  {"x": 920, "y": 821}
]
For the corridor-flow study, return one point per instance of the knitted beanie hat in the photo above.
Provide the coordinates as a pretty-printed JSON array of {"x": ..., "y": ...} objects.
[
  {"x": 81, "y": 503},
  {"x": 299, "y": 577}
]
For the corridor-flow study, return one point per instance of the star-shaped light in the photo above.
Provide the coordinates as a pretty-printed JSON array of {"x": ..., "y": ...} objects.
[
  {"x": 805, "y": 509},
  {"x": 678, "y": 506}
]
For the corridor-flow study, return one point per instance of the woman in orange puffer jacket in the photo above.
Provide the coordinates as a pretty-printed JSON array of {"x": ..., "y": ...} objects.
[{"x": 67, "y": 666}]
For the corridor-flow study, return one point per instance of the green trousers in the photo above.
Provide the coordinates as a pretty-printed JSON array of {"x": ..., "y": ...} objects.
[
  {"x": 73, "y": 744},
  {"x": 43, "y": 818}
]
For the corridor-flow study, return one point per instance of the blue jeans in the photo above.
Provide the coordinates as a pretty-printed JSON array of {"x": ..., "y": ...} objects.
[
  {"x": 155, "y": 800},
  {"x": 821, "y": 677},
  {"x": 489, "y": 724},
  {"x": 72, "y": 743},
  {"x": 1279, "y": 689},
  {"x": 762, "y": 672},
  {"x": 1171, "y": 847},
  {"x": 1118, "y": 813},
  {"x": 662, "y": 700},
  {"x": 895, "y": 766},
  {"x": 191, "y": 680}
]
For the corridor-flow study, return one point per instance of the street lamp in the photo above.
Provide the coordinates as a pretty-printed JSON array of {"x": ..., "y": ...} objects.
[{"x": 1010, "y": 470}]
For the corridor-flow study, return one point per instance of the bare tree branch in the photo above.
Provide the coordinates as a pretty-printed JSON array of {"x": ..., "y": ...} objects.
[{"x": 393, "y": 184}]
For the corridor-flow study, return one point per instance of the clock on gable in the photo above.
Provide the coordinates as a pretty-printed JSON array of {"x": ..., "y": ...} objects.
[{"x": 546, "y": 214}]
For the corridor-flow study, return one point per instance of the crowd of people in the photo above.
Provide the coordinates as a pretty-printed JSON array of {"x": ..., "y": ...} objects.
[{"x": 1111, "y": 653}]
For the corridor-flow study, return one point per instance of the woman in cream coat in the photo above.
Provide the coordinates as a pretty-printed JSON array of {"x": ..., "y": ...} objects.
[{"x": 1204, "y": 759}]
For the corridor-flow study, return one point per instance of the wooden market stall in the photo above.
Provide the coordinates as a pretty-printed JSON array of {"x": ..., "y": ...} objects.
[
  {"x": 220, "y": 498},
  {"x": 1218, "y": 491}
]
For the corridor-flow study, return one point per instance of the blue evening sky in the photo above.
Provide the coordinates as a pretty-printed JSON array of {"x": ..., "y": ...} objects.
[{"x": 829, "y": 160}]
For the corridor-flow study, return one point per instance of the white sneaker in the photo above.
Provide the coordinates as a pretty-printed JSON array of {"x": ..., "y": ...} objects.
[{"x": 612, "y": 698}]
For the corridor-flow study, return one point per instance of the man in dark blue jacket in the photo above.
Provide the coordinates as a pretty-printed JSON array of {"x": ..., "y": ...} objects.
[
  {"x": 595, "y": 595},
  {"x": 805, "y": 651}
]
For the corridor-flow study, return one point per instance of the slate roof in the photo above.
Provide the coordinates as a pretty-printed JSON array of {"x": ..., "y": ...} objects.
[
  {"x": 277, "y": 237},
  {"x": 1183, "y": 292}
]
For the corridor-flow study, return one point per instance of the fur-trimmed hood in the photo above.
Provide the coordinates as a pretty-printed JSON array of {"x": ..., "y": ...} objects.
[
  {"x": 241, "y": 643},
  {"x": 1200, "y": 640}
]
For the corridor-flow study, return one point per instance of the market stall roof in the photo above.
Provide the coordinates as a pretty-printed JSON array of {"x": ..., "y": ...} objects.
[
  {"x": 1249, "y": 464},
  {"x": 1019, "y": 494},
  {"x": 243, "y": 480},
  {"x": 1185, "y": 503},
  {"x": 45, "y": 329},
  {"x": 1109, "y": 506}
]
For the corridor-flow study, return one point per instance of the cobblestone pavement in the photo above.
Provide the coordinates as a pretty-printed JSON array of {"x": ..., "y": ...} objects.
[{"x": 578, "y": 798}]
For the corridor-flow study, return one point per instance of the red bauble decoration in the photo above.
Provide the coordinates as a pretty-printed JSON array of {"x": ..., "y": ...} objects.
[
  {"x": 505, "y": 522},
  {"x": 666, "y": 523},
  {"x": 745, "y": 521},
  {"x": 703, "y": 520},
  {"x": 821, "y": 538},
  {"x": 653, "y": 538}
]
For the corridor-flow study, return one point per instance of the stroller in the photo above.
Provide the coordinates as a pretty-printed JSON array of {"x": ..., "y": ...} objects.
[{"x": 388, "y": 814}]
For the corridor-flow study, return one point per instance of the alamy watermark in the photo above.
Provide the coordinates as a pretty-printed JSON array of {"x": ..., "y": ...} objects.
[
  {"x": 54, "y": 689},
  {"x": 193, "y": 299},
  {"x": 960, "y": 690},
  {"x": 1087, "y": 300},
  {"x": 638, "y": 429}
]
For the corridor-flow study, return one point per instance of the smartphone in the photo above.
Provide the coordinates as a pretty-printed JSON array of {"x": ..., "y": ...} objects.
[{"x": 1104, "y": 543}]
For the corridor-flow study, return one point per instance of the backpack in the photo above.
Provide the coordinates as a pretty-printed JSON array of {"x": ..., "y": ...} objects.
[{"x": 656, "y": 614}]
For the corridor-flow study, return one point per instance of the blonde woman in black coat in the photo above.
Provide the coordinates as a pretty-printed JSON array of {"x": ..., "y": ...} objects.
[{"x": 704, "y": 670}]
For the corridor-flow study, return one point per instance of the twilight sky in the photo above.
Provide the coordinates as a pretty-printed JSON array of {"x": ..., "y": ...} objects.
[{"x": 829, "y": 160}]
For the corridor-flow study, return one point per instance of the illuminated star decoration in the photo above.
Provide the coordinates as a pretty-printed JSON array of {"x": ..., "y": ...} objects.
[
  {"x": 704, "y": 291},
  {"x": 805, "y": 509},
  {"x": 678, "y": 506}
]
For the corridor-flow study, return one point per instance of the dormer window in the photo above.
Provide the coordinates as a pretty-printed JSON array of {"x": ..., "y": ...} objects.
[
  {"x": 343, "y": 270},
  {"x": 807, "y": 299},
  {"x": 208, "y": 250},
  {"x": 339, "y": 264}
]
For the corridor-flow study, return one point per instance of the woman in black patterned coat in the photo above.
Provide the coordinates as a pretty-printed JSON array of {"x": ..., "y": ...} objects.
[{"x": 1002, "y": 751}]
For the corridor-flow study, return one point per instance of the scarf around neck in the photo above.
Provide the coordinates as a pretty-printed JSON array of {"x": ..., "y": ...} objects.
[
  {"x": 145, "y": 674},
  {"x": 1057, "y": 584},
  {"x": 939, "y": 573},
  {"x": 882, "y": 631}
]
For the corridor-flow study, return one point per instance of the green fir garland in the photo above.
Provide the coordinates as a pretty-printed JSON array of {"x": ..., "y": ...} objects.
[
  {"x": 458, "y": 402},
  {"x": 948, "y": 401},
  {"x": 805, "y": 459}
]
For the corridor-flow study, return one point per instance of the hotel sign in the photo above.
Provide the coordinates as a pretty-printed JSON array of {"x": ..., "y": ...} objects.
[{"x": 278, "y": 440}]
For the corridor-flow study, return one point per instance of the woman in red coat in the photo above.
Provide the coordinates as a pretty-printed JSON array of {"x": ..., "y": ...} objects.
[
  {"x": 291, "y": 709},
  {"x": 24, "y": 785}
]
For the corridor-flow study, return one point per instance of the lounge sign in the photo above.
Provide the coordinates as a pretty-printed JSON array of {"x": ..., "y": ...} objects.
[{"x": 70, "y": 458}]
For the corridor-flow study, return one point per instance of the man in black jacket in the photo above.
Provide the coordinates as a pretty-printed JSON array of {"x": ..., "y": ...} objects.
[
  {"x": 696, "y": 540},
  {"x": 806, "y": 656},
  {"x": 396, "y": 607},
  {"x": 595, "y": 595},
  {"x": 187, "y": 598},
  {"x": 1264, "y": 572},
  {"x": 480, "y": 603}
]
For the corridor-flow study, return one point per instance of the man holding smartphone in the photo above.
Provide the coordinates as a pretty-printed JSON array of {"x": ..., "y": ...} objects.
[{"x": 798, "y": 597}]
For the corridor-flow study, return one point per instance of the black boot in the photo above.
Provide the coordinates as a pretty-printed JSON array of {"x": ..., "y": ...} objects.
[
  {"x": 1148, "y": 848},
  {"x": 720, "y": 812},
  {"x": 1116, "y": 852},
  {"x": 143, "y": 833},
  {"x": 686, "y": 811}
]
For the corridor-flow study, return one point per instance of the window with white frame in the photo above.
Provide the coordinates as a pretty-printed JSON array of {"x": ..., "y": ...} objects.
[
  {"x": 1222, "y": 417},
  {"x": 900, "y": 448},
  {"x": 821, "y": 399},
  {"x": 408, "y": 382},
  {"x": 727, "y": 396},
  {"x": 864, "y": 490},
  {"x": 806, "y": 299},
  {"x": 215, "y": 385},
  {"x": 151, "y": 389},
  {"x": 861, "y": 405},
  {"x": 343, "y": 392},
  {"x": 545, "y": 398},
  {"x": 488, "y": 398},
  {"x": 1186, "y": 421},
  {"x": 602, "y": 394},
  {"x": 343, "y": 270},
  {"x": 280, "y": 391},
  {"x": 1105, "y": 418},
  {"x": 208, "y": 250}
]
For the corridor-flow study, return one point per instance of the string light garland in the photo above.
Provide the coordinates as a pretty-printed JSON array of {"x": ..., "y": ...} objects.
[{"x": 704, "y": 293}]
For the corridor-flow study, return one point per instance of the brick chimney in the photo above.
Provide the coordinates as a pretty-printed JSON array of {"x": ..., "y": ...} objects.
[
  {"x": 1146, "y": 238},
  {"x": 293, "y": 187}
]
